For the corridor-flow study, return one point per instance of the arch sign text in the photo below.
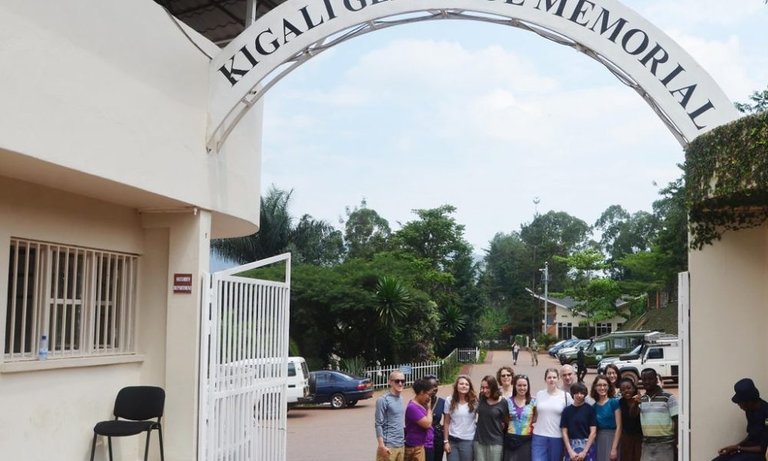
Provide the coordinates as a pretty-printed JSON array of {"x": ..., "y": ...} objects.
[{"x": 683, "y": 95}]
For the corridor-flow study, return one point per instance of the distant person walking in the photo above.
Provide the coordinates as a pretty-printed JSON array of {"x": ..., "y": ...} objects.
[
  {"x": 515, "y": 352},
  {"x": 534, "y": 349},
  {"x": 751, "y": 448},
  {"x": 459, "y": 426},
  {"x": 581, "y": 364},
  {"x": 389, "y": 421},
  {"x": 658, "y": 418}
]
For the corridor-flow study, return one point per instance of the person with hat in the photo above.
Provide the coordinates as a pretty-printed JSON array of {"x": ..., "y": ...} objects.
[{"x": 752, "y": 448}]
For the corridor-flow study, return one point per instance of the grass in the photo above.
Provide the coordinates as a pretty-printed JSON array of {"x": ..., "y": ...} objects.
[{"x": 663, "y": 319}]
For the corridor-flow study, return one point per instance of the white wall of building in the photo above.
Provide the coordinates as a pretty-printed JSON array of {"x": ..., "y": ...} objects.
[
  {"x": 116, "y": 92},
  {"x": 729, "y": 315},
  {"x": 50, "y": 411}
]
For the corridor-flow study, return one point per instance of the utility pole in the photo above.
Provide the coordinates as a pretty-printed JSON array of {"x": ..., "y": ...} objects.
[{"x": 545, "y": 276}]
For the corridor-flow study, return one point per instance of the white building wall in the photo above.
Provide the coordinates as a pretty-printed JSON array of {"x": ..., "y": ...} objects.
[
  {"x": 729, "y": 314},
  {"x": 48, "y": 412},
  {"x": 116, "y": 91}
]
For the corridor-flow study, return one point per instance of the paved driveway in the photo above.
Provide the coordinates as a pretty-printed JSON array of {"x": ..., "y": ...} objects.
[{"x": 323, "y": 434}]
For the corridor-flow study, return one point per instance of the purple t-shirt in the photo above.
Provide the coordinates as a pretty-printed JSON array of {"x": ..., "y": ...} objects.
[{"x": 414, "y": 434}]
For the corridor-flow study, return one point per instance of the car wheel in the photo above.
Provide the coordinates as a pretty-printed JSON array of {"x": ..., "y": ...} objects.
[
  {"x": 352, "y": 403},
  {"x": 338, "y": 401},
  {"x": 630, "y": 375}
]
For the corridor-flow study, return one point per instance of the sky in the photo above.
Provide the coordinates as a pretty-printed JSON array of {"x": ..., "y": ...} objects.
[{"x": 489, "y": 118}]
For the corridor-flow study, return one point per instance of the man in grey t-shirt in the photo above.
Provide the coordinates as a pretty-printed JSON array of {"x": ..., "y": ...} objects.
[{"x": 390, "y": 421}]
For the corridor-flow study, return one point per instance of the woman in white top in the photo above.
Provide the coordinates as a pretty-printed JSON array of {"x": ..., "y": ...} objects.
[
  {"x": 547, "y": 442},
  {"x": 459, "y": 420}
]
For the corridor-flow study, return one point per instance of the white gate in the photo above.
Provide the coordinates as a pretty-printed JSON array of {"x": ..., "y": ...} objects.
[{"x": 244, "y": 365}]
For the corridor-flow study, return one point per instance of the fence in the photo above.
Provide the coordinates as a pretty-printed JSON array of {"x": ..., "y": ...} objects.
[{"x": 414, "y": 371}]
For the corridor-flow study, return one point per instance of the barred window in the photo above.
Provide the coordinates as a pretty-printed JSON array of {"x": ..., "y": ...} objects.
[
  {"x": 603, "y": 328},
  {"x": 564, "y": 330},
  {"x": 83, "y": 300}
]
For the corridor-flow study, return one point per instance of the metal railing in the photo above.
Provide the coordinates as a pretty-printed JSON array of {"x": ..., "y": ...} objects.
[{"x": 443, "y": 368}]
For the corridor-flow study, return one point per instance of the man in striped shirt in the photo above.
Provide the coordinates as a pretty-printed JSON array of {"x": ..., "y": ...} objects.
[{"x": 658, "y": 418}]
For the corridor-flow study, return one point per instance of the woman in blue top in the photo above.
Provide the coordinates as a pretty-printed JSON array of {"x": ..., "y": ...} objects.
[{"x": 608, "y": 411}]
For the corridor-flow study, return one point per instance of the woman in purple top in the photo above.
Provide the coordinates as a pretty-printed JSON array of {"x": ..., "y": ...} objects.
[{"x": 418, "y": 421}]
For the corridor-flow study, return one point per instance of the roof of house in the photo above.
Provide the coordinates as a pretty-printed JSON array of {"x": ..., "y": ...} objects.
[{"x": 568, "y": 302}]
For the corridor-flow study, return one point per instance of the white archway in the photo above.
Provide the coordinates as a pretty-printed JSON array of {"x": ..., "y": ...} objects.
[{"x": 679, "y": 90}]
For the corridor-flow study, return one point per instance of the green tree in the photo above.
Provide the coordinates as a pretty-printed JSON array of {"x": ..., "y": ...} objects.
[
  {"x": 555, "y": 233},
  {"x": 310, "y": 241},
  {"x": 759, "y": 103},
  {"x": 365, "y": 232},
  {"x": 623, "y": 234}
]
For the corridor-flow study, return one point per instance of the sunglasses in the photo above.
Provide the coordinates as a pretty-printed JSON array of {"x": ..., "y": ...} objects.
[
  {"x": 398, "y": 381},
  {"x": 506, "y": 376}
]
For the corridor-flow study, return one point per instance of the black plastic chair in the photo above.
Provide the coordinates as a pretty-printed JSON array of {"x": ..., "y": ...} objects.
[{"x": 135, "y": 406}]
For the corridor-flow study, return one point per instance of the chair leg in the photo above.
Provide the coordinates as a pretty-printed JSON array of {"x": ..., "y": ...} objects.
[
  {"x": 93, "y": 446},
  {"x": 146, "y": 446},
  {"x": 160, "y": 434},
  {"x": 109, "y": 443}
]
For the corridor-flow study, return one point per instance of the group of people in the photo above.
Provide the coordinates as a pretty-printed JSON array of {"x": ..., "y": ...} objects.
[
  {"x": 504, "y": 422},
  {"x": 565, "y": 421}
]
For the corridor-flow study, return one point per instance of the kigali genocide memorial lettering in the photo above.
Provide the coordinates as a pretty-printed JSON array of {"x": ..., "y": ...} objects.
[{"x": 682, "y": 94}]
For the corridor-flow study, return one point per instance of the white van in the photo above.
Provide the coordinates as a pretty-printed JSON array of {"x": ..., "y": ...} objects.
[{"x": 298, "y": 382}]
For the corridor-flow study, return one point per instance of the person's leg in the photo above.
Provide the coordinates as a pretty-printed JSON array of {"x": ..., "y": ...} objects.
[
  {"x": 466, "y": 451},
  {"x": 539, "y": 448},
  {"x": 555, "y": 449}
]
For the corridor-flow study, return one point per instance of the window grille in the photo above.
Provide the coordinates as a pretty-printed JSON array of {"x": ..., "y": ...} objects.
[
  {"x": 83, "y": 300},
  {"x": 564, "y": 330},
  {"x": 603, "y": 328}
]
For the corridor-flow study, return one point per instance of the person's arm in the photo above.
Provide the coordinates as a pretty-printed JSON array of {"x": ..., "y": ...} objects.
[
  {"x": 590, "y": 441},
  {"x": 567, "y": 442},
  {"x": 617, "y": 435},
  {"x": 634, "y": 405},
  {"x": 426, "y": 421},
  {"x": 446, "y": 424},
  {"x": 379, "y": 415}
]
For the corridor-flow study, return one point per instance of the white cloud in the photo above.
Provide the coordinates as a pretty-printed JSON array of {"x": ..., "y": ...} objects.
[{"x": 692, "y": 13}]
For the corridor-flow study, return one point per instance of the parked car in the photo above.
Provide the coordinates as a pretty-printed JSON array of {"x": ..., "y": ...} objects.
[
  {"x": 565, "y": 351},
  {"x": 634, "y": 354},
  {"x": 661, "y": 354},
  {"x": 298, "y": 381},
  {"x": 608, "y": 345},
  {"x": 565, "y": 343},
  {"x": 338, "y": 388}
]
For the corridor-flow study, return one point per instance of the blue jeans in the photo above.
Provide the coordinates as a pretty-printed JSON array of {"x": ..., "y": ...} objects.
[
  {"x": 546, "y": 448},
  {"x": 461, "y": 450}
]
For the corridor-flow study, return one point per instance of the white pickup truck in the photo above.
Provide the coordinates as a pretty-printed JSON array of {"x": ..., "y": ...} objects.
[{"x": 662, "y": 355}]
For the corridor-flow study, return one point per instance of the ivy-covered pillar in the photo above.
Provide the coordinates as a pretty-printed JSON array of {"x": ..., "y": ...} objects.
[{"x": 727, "y": 194}]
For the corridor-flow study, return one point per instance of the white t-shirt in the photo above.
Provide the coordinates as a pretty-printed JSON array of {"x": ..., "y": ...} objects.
[
  {"x": 462, "y": 421},
  {"x": 549, "y": 408}
]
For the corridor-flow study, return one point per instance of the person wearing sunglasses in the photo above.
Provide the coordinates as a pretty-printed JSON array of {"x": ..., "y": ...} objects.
[
  {"x": 504, "y": 378},
  {"x": 389, "y": 421}
]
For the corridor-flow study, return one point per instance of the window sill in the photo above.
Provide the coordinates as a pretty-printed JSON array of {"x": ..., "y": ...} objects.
[{"x": 52, "y": 364}]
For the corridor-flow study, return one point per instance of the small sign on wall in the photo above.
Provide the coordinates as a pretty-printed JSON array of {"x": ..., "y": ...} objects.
[{"x": 182, "y": 283}]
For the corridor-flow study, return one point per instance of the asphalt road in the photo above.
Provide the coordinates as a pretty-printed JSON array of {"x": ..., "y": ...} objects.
[{"x": 324, "y": 434}]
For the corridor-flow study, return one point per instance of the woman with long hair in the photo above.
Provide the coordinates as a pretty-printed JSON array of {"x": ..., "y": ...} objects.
[
  {"x": 459, "y": 420},
  {"x": 608, "y": 419},
  {"x": 547, "y": 443},
  {"x": 492, "y": 421},
  {"x": 522, "y": 416},
  {"x": 612, "y": 373},
  {"x": 504, "y": 377}
]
